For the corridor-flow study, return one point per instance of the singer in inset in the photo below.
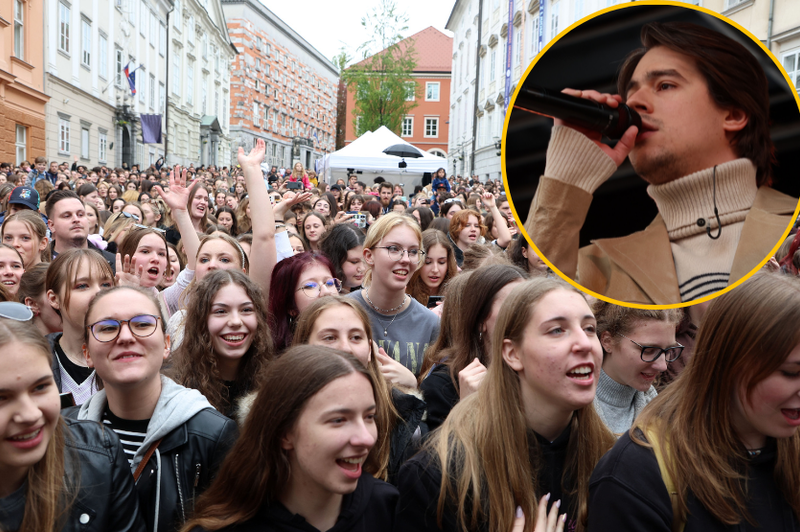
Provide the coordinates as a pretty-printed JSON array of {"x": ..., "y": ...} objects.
[{"x": 705, "y": 149}]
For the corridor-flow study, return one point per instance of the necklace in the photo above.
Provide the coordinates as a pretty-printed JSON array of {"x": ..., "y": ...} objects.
[{"x": 385, "y": 311}]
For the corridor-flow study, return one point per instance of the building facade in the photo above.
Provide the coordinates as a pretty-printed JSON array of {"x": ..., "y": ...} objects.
[
  {"x": 283, "y": 90},
  {"x": 198, "y": 96},
  {"x": 92, "y": 115},
  {"x": 426, "y": 125},
  {"x": 482, "y": 29},
  {"x": 22, "y": 96}
]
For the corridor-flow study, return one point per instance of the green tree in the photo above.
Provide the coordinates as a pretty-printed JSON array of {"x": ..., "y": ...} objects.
[{"x": 383, "y": 81}]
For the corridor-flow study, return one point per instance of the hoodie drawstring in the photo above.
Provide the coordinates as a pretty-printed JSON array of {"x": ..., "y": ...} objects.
[{"x": 158, "y": 490}]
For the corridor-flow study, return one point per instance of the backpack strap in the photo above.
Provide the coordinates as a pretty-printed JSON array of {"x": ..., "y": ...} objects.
[
  {"x": 652, "y": 438},
  {"x": 145, "y": 459}
]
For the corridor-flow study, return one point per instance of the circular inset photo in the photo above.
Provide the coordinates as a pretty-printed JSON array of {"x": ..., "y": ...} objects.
[{"x": 651, "y": 154}]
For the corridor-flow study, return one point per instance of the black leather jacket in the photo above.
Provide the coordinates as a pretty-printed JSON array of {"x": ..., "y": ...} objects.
[
  {"x": 105, "y": 498},
  {"x": 181, "y": 468}
]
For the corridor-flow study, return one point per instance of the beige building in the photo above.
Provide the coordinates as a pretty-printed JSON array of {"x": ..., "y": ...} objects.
[
  {"x": 92, "y": 116},
  {"x": 476, "y": 123},
  {"x": 22, "y": 96}
]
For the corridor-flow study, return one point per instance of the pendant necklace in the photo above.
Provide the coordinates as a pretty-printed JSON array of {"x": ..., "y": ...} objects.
[{"x": 385, "y": 311}]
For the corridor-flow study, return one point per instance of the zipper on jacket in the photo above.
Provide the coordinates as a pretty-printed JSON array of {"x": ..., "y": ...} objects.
[
  {"x": 196, "y": 481},
  {"x": 180, "y": 492}
]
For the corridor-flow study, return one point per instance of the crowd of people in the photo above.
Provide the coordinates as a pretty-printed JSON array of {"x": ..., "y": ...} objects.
[{"x": 198, "y": 349}]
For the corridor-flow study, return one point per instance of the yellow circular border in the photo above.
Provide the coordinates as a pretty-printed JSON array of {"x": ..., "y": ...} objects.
[{"x": 521, "y": 226}]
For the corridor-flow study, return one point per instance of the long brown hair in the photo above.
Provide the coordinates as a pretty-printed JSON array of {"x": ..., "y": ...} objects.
[
  {"x": 68, "y": 265},
  {"x": 745, "y": 336},
  {"x": 256, "y": 469},
  {"x": 460, "y": 341},
  {"x": 482, "y": 447},
  {"x": 386, "y": 417},
  {"x": 416, "y": 286},
  {"x": 195, "y": 362},
  {"x": 48, "y": 495}
]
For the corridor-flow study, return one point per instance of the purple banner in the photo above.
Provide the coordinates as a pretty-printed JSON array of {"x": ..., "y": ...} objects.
[
  {"x": 509, "y": 53},
  {"x": 151, "y": 129}
]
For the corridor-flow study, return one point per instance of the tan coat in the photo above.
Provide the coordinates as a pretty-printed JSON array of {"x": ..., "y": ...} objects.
[{"x": 639, "y": 268}]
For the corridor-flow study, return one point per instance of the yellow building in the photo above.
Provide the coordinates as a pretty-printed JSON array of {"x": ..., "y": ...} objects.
[{"x": 22, "y": 97}]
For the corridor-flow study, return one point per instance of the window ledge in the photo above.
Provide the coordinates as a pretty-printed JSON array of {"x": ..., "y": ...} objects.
[{"x": 22, "y": 63}]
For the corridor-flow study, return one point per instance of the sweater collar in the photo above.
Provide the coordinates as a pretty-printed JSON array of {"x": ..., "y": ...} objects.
[
  {"x": 684, "y": 201},
  {"x": 613, "y": 393}
]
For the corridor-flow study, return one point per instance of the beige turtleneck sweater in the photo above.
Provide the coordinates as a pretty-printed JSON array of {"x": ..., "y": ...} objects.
[{"x": 702, "y": 264}]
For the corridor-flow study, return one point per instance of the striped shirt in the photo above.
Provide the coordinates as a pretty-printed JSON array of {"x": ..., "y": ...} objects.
[{"x": 131, "y": 433}]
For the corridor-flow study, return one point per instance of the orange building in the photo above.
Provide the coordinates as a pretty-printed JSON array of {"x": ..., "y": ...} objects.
[
  {"x": 22, "y": 97},
  {"x": 426, "y": 126}
]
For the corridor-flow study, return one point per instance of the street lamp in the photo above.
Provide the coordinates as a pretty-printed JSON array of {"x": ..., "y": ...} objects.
[{"x": 497, "y": 145}]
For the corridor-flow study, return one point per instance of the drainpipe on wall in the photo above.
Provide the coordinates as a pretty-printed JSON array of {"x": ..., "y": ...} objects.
[
  {"x": 477, "y": 88},
  {"x": 166, "y": 92},
  {"x": 769, "y": 24}
]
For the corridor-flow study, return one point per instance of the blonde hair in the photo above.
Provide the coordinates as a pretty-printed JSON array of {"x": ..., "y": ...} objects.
[{"x": 381, "y": 228}]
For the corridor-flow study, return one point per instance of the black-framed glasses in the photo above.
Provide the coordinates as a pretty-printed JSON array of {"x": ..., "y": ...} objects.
[
  {"x": 650, "y": 353},
  {"x": 15, "y": 311},
  {"x": 141, "y": 326},
  {"x": 313, "y": 288},
  {"x": 396, "y": 253}
]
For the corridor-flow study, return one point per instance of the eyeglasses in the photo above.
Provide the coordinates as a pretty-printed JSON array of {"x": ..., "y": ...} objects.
[
  {"x": 396, "y": 253},
  {"x": 141, "y": 326},
  {"x": 15, "y": 311},
  {"x": 313, "y": 289},
  {"x": 650, "y": 353}
]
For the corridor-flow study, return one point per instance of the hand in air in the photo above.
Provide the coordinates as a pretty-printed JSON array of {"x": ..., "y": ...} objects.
[
  {"x": 128, "y": 273},
  {"x": 255, "y": 157},
  {"x": 624, "y": 145},
  {"x": 177, "y": 195}
]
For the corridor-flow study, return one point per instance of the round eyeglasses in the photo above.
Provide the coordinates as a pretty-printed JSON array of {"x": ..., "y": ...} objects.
[
  {"x": 141, "y": 326},
  {"x": 314, "y": 289},
  {"x": 650, "y": 353},
  {"x": 396, "y": 253}
]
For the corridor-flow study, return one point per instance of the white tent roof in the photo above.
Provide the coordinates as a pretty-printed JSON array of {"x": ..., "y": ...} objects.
[{"x": 366, "y": 154}]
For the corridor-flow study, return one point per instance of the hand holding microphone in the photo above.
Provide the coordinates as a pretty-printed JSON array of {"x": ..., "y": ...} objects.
[{"x": 592, "y": 113}]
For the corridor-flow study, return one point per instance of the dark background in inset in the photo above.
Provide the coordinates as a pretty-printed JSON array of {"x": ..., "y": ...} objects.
[{"x": 589, "y": 58}]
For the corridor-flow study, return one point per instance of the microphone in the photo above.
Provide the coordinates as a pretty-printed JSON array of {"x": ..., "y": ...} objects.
[{"x": 584, "y": 113}]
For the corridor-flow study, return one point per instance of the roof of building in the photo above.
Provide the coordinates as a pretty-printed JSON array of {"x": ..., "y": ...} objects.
[{"x": 434, "y": 50}]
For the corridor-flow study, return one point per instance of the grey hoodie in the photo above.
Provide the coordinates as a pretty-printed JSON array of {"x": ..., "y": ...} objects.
[{"x": 176, "y": 405}]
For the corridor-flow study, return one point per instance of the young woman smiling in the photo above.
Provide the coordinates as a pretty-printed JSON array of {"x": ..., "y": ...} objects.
[
  {"x": 314, "y": 227},
  {"x": 531, "y": 430},
  {"x": 726, "y": 429},
  {"x": 11, "y": 269},
  {"x": 26, "y": 232},
  {"x": 227, "y": 340},
  {"x": 306, "y": 453},
  {"x": 465, "y": 230},
  {"x": 341, "y": 323},
  {"x": 403, "y": 327},
  {"x": 174, "y": 439},
  {"x": 438, "y": 268},
  {"x": 637, "y": 346},
  {"x": 57, "y": 474}
]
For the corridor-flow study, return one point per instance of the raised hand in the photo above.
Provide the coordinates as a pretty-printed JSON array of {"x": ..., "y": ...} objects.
[
  {"x": 255, "y": 157},
  {"x": 177, "y": 197},
  {"x": 342, "y": 217},
  {"x": 546, "y": 522},
  {"x": 128, "y": 273}
]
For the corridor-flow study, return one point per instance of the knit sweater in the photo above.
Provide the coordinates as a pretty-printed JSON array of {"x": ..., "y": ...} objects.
[
  {"x": 702, "y": 264},
  {"x": 618, "y": 404}
]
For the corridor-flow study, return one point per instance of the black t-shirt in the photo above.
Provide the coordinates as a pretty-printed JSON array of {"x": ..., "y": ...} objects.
[{"x": 78, "y": 373}]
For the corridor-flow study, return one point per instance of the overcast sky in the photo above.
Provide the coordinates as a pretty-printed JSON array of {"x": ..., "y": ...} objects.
[{"x": 330, "y": 25}]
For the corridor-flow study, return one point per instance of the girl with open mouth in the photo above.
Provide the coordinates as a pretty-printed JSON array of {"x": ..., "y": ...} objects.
[{"x": 305, "y": 454}]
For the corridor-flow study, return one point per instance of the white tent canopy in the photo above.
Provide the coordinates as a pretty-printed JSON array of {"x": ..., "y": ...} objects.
[{"x": 365, "y": 156}]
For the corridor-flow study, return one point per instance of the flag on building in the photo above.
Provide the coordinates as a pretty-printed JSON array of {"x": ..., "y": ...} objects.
[
  {"x": 130, "y": 75},
  {"x": 151, "y": 129}
]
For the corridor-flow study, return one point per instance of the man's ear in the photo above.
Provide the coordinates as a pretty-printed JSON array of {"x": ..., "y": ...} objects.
[{"x": 735, "y": 120}]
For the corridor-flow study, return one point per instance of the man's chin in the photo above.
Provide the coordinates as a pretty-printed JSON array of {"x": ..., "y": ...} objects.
[{"x": 659, "y": 169}]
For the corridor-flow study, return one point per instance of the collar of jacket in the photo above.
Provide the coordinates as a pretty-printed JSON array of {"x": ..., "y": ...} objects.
[{"x": 646, "y": 256}]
